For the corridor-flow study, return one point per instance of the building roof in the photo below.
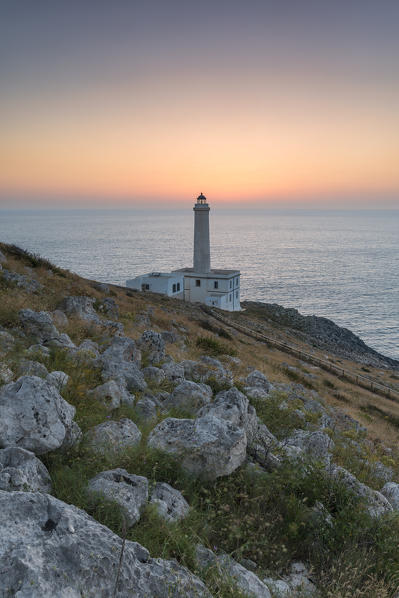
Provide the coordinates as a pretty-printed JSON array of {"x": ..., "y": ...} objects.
[{"x": 211, "y": 274}]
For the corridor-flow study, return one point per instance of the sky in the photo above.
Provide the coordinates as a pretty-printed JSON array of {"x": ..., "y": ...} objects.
[{"x": 284, "y": 102}]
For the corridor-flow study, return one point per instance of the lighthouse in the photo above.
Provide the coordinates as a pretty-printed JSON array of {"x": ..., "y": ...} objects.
[{"x": 202, "y": 251}]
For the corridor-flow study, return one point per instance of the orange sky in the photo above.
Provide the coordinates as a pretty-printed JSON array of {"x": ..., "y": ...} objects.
[{"x": 235, "y": 127}]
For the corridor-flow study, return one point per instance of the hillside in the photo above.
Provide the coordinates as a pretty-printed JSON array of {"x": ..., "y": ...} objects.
[{"x": 149, "y": 449}]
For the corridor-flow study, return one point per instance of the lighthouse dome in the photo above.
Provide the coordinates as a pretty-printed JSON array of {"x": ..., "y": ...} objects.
[{"x": 202, "y": 196}]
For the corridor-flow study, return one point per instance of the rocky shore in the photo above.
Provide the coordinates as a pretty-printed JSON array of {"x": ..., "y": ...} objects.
[{"x": 145, "y": 454}]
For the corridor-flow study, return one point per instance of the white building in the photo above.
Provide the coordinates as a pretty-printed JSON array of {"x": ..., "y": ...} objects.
[
  {"x": 165, "y": 283},
  {"x": 218, "y": 288}
]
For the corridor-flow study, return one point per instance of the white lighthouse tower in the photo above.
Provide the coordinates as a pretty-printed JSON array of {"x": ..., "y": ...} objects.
[
  {"x": 216, "y": 288},
  {"x": 202, "y": 251}
]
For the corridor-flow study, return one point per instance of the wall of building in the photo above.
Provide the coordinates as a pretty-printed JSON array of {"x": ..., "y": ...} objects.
[
  {"x": 226, "y": 295},
  {"x": 172, "y": 285}
]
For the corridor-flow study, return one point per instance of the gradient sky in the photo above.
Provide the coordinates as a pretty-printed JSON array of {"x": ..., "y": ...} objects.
[{"x": 284, "y": 101}]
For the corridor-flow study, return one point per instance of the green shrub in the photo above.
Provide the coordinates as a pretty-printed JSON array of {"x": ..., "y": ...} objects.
[{"x": 214, "y": 347}]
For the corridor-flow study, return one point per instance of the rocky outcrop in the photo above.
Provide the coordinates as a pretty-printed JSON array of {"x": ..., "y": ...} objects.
[
  {"x": 33, "y": 415},
  {"x": 322, "y": 331},
  {"x": 391, "y": 492},
  {"x": 171, "y": 504},
  {"x": 58, "y": 379},
  {"x": 39, "y": 326},
  {"x": 189, "y": 396},
  {"x": 49, "y": 548},
  {"x": 114, "y": 436},
  {"x": 232, "y": 572},
  {"x": 153, "y": 345},
  {"x": 27, "y": 367},
  {"x": 207, "y": 447},
  {"x": 130, "y": 492},
  {"x": 154, "y": 375},
  {"x": 120, "y": 362},
  {"x": 375, "y": 501},
  {"x": 22, "y": 281},
  {"x": 111, "y": 395},
  {"x": 80, "y": 307},
  {"x": 21, "y": 470}
]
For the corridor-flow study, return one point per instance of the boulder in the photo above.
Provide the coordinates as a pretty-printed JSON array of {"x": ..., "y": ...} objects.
[
  {"x": 21, "y": 470},
  {"x": 58, "y": 379},
  {"x": 258, "y": 380},
  {"x": 376, "y": 502},
  {"x": 3, "y": 258},
  {"x": 207, "y": 369},
  {"x": 6, "y": 374},
  {"x": 122, "y": 348},
  {"x": 101, "y": 286},
  {"x": 317, "y": 445},
  {"x": 231, "y": 571},
  {"x": 207, "y": 447},
  {"x": 153, "y": 345},
  {"x": 59, "y": 318},
  {"x": 154, "y": 375},
  {"x": 38, "y": 351},
  {"x": 171, "y": 504},
  {"x": 7, "y": 341},
  {"x": 146, "y": 409},
  {"x": 80, "y": 307},
  {"x": 22, "y": 281},
  {"x": 121, "y": 362},
  {"x": 49, "y": 549},
  {"x": 391, "y": 492},
  {"x": 111, "y": 395},
  {"x": 31, "y": 368},
  {"x": 233, "y": 406},
  {"x": 174, "y": 372},
  {"x": 39, "y": 326},
  {"x": 278, "y": 587},
  {"x": 299, "y": 580},
  {"x": 109, "y": 307},
  {"x": 129, "y": 491},
  {"x": 170, "y": 336},
  {"x": 33, "y": 415},
  {"x": 189, "y": 396},
  {"x": 115, "y": 436}
]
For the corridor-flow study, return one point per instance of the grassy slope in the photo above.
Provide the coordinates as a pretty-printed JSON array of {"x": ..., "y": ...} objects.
[{"x": 269, "y": 518}]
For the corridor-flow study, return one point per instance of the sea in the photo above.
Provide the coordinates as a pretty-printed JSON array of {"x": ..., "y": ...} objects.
[{"x": 343, "y": 265}]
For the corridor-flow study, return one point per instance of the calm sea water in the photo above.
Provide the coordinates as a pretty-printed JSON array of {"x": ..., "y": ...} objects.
[{"x": 338, "y": 264}]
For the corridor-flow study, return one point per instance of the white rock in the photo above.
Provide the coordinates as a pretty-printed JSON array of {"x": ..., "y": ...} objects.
[
  {"x": 21, "y": 470},
  {"x": 49, "y": 549},
  {"x": 153, "y": 374},
  {"x": 129, "y": 491},
  {"x": 33, "y": 415},
  {"x": 391, "y": 492},
  {"x": 189, "y": 396},
  {"x": 113, "y": 436},
  {"x": 32, "y": 368},
  {"x": 58, "y": 379},
  {"x": 207, "y": 447},
  {"x": 111, "y": 395},
  {"x": 171, "y": 504},
  {"x": 153, "y": 345}
]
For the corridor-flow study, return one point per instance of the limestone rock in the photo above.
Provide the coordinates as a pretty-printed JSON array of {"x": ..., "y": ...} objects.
[
  {"x": 20, "y": 280},
  {"x": 39, "y": 325},
  {"x": 109, "y": 307},
  {"x": 205, "y": 370},
  {"x": 258, "y": 380},
  {"x": 233, "y": 406},
  {"x": 38, "y": 351},
  {"x": 21, "y": 470},
  {"x": 171, "y": 504},
  {"x": 49, "y": 549},
  {"x": 169, "y": 336},
  {"x": 189, "y": 396},
  {"x": 6, "y": 374},
  {"x": 80, "y": 307},
  {"x": 111, "y": 395},
  {"x": 7, "y": 341},
  {"x": 59, "y": 318},
  {"x": 207, "y": 447},
  {"x": 3, "y": 258},
  {"x": 174, "y": 372},
  {"x": 230, "y": 570},
  {"x": 154, "y": 375},
  {"x": 33, "y": 415},
  {"x": 32, "y": 368},
  {"x": 377, "y": 504},
  {"x": 299, "y": 580},
  {"x": 146, "y": 409},
  {"x": 113, "y": 436},
  {"x": 391, "y": 492},
  {"x": 153, "y": 345},
  {"x": 130, "y": 492},
  {"x": 120, "y": 362},
  {"x": 317, "y": 445},
  {"x": 58, "y": 379}
]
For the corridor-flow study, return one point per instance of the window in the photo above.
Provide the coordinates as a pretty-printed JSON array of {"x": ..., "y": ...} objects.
[
  {"x": 216, "y": 284},
  {"x": 174, "y": 288},
  {"x": 236, "y": 294},
  {"x": 145, "y": 287},
  {"x": 231, "y": 297},
  {"x": 178, "y": 286},
  {"x": 231, "y": 283},
  {"x": 197, "y": 283}
]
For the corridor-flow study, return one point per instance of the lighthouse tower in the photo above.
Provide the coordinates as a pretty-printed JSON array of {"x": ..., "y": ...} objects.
[
  {"x": 217, "y": 287},
  {"x": 202, "y": 252}
]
